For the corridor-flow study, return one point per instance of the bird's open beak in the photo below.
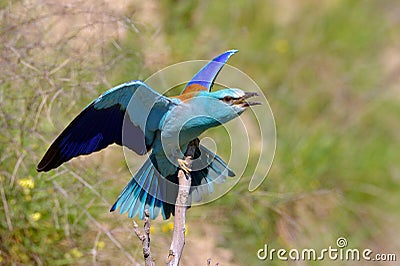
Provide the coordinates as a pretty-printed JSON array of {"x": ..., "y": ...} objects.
[{"x": 243, "y": 100}]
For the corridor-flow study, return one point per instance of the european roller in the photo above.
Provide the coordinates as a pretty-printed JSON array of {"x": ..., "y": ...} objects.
[{"x": 135, "y": 116}]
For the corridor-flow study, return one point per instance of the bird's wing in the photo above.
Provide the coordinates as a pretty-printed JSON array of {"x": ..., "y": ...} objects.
[
  {"x": 204, "y": 79},
  {"x": 128, "y": 114}
]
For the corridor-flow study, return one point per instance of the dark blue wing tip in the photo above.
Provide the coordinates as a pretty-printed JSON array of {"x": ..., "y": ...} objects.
[
  {"x": 206, "y": 76},
  {"x": 232, "y": 51},
  {"x": 225, "y": 56},
  {"x": 231, "y": 173}
]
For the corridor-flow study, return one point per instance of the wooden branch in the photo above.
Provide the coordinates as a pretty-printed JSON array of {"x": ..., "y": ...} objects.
[
  {"x": 145, "y": 238},
  {"x": 181, "y": 204}
]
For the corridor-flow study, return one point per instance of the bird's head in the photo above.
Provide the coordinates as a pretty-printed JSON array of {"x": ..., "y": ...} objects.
[
  {"x": 223, "y": 105},
  {"x": 198, "y": 111},
  {"x": 235, "y": 99}
]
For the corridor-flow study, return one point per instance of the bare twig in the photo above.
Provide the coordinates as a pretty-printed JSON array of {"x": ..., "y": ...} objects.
[
  {"x": 145, "y": 238},
  {"x": 98, "y": 225},
  {"x": 5, "y": 206},
  {"x": 94, "y": 249},
  {"x": 86, "y": 184},
  {"x": 16, "y": 167},
  {"x": 182, "y": 202},
  {"x": 178, "y": 236}
]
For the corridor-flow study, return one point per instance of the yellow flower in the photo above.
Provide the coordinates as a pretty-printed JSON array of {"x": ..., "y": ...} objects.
[
  {"x": 281, "y": 46},
  {"x": 186, "y": 230},
  {"x": 165, "y": 228},
  {"x": 101, "y": 244},
  {"x": 76, "y": 253},
  {"x": 27, "y": 184},
  {"x": 171, "y": 226},
  {"x": 35, "y": 216},
  {"x": 152, "y": 229}
]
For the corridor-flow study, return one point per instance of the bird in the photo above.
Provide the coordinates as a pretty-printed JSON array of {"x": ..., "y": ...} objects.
[{"x": 136, "y": 116}]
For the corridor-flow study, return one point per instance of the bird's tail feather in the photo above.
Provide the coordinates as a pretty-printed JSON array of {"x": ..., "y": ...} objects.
[
  {"x": 213, "y": 171},
  {"x": 142, "y": 192},
  {"x": 149, "y": 190}
]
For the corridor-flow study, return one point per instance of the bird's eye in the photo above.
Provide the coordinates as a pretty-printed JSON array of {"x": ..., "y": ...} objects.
[{"x": 227, "y": 98}]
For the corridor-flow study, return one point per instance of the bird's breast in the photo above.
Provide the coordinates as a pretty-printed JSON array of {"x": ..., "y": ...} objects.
[{"x": 188, "y": 120}]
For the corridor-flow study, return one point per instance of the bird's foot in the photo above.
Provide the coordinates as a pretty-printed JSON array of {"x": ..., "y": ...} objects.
[{"x": 184, "y": 164}]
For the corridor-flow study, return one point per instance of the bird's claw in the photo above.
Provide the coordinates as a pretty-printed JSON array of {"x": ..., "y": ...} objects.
[{"x": 184, "y": 165}]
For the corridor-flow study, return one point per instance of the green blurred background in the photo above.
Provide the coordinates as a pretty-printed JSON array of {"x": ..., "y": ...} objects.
[{"x": 330, "y": 70}]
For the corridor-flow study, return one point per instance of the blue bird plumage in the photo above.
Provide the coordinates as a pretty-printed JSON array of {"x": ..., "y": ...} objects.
[
  {"x": 206, "y": 76},
  {"x": 136, "y": 116}
]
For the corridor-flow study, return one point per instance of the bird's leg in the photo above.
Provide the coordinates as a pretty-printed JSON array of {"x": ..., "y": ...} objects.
[
  {"x": 185, "y": 164},
  {"x": 182, "y": 163}
]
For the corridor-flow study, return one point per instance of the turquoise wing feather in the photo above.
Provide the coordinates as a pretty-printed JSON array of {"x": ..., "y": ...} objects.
[{"x": 117, "y": 116}]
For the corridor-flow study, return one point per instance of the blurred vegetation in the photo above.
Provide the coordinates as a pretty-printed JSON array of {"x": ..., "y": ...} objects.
[{"x": 329, "y": 70}]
